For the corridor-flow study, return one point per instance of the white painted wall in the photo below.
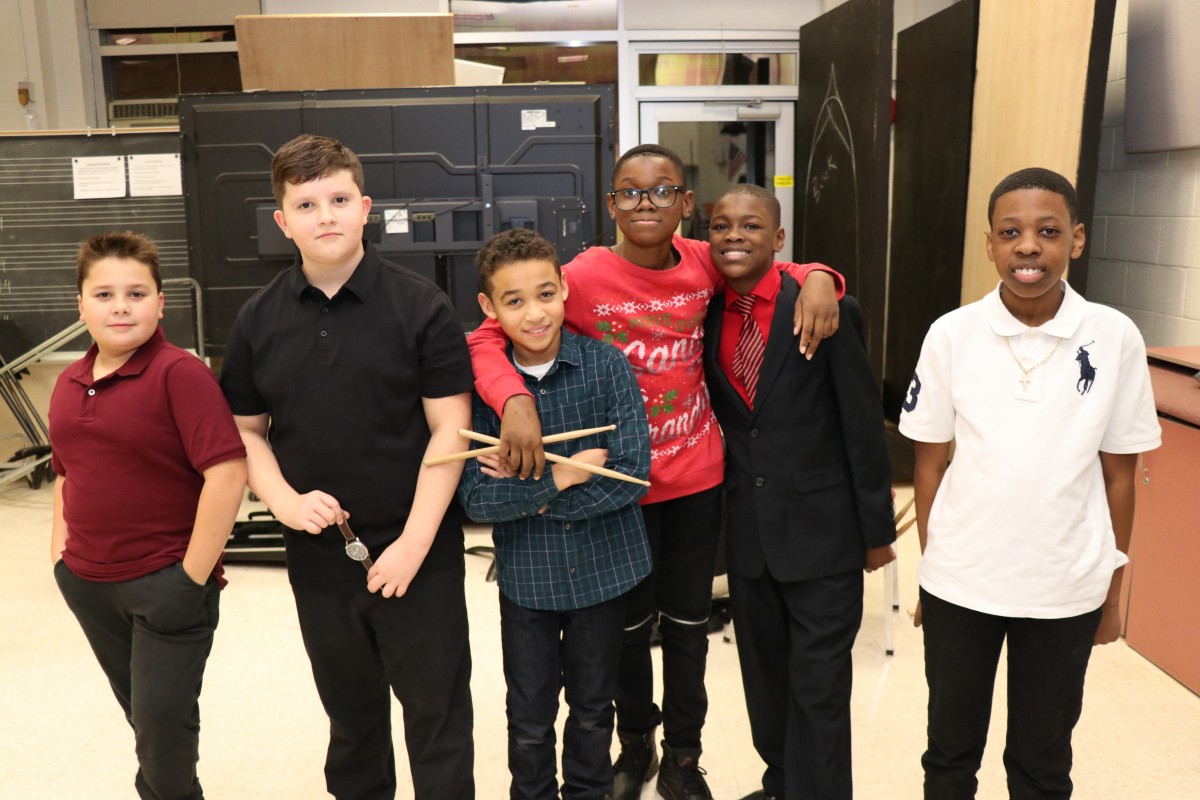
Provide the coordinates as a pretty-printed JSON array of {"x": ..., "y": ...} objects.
[
  {"x": 1145, "y": 235},
  {"x": 43, "y": 41}
]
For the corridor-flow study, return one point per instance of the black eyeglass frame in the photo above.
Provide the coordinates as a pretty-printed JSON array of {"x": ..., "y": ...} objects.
[{"x": 646, "y": 193}]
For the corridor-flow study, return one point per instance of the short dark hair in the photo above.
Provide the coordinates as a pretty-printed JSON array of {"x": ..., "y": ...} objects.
[
  {"x": 309, "y": 157},
  {"x": 764, "y": 196},
  {"x": 116, "y": 244},
  {"x": 517, "y": 244},
  {"x": 1036, "y": 178},
  {"x": 652, "y": 151}
]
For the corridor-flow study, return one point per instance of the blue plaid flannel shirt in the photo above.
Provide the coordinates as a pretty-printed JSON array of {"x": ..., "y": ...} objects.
[{"x": 590, "y": 543}]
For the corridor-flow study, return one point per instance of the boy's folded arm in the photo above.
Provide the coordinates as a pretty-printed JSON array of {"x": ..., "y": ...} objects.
[
  {"x": 487, "y": 499},
  {"x": 312, "y": 512},
  {"x": 220, "y": 498},
  {"x": 628, "y": 453}
]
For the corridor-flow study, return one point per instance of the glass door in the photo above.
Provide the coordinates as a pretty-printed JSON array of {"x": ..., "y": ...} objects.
[{"x": 728, "y": 142}]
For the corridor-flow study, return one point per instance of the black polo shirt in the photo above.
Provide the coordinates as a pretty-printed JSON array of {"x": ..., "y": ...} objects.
[{"x": 342, "y": 380}]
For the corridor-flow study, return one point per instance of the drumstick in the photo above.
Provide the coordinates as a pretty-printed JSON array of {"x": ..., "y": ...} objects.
[
  {"x": 605, "y": 471},
  {"x": 488, "y": 451}
]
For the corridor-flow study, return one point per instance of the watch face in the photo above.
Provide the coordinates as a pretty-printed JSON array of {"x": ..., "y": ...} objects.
[{"x": 356, "y": 550}]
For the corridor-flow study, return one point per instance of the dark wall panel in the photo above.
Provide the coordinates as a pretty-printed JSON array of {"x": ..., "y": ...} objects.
[{"x": 842, "y": 141}]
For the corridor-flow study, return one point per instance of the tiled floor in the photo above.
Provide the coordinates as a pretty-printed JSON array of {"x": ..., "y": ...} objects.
[{"x": 63, "y": 738}]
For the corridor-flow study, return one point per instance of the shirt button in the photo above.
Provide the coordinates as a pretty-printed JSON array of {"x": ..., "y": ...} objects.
[
  {"x": 754, "y": 433},
  {"x": 758, "y": 481},
  {"x": 91, "y": 392},
  {"x": 324, "y": 334},
  {"x": 324, "y": 309},
  {"x": 542, "y": 391},
  {"x": 524, "y": 513},
  {"x": 567, "y": 526},
  {"x": 571, "y": 570}
]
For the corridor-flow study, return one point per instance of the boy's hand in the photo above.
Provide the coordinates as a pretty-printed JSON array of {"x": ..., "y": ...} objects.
[
  {"x": 493, "y": 467},
  {"x": 312, "y": 512},
  {"x": 395, "y": 568},
  {"x": 1110, "y": 625},
  {"x": 916, "y": 616},
  {"x": 566, "y": 476},
  {"x": 816, "y": 314},
  {"x": 880, "y": 557},
  {"x": 521, "y": 437}
]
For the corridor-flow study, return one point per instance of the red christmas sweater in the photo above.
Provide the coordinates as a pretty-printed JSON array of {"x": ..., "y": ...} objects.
[{"x": 656, "y": 318}]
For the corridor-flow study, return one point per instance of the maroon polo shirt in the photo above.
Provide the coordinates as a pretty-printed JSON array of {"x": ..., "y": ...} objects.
[{"x": 133, "y": 446}]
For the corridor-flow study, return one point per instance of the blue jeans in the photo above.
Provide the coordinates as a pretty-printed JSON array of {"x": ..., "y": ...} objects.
[
  {"x": 1047, "y": 661},
  {"x": 544, "y": 652}
]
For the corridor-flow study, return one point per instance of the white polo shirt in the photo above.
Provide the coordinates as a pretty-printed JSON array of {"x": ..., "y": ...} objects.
[{"x": 1020, "y": 525}]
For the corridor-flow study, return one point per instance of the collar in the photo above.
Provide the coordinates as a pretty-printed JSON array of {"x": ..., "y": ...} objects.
[
  {"x": 1063, "y": 325},
  {"x": 82, "y": 372},
  {"x": 568, "y": 353},
  {"x": 358, "y": 284},
  {"x": 766, "y": 289}
]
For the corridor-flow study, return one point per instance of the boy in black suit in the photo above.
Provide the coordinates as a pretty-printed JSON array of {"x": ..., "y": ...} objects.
[{"x": 809, "y": 501}]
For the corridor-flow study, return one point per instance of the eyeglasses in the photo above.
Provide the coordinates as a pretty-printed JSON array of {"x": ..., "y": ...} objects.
[{"x": 660, "y": 196}]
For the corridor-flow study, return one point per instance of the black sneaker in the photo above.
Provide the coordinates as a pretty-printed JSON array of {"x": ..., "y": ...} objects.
[
  {"x": 637, "y": 765},
  {"x": 681, "y": 777}
]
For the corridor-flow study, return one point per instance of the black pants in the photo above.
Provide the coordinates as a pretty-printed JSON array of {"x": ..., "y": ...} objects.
[
  {"x": 152, "y": 636},
  {"x": 544, "y": 653},
  {"x": 678, "y": 593},
  {"x": 362, "y": 647},
  {"x": 794, "y": 641},
  {"x": 1047, "y": 661}
]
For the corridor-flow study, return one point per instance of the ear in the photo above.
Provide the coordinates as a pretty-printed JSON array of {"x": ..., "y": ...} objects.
[
  {"x": 366, "y": 208},
  {"x": 79, "y": 302},
  {"x": 780, "y": 238},
  {"x": 563, "y": 280},
  {"x": 689, "y": 203},
  {"x": 987, "y": 245},
  {"x": 281, "y": 221},
  {"x": 162, "y": 301},
  {"x": 485, "y": 303},
  {"x": 612, "y": 205},
  {"x": 1078, "y": 239}
]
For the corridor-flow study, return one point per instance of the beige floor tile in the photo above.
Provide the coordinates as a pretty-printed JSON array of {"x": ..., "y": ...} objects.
[{"x": 264, "y": 734}]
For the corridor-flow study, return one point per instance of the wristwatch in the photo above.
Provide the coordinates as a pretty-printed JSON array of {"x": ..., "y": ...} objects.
[{"x": 355, "y": 549}]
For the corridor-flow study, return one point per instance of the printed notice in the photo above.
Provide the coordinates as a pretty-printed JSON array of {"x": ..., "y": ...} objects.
[
  {"x": 534, "y": 118},
  {"x": 155, "y": 175},
  {"x": 395, "y": 220},
  {"x": 785, "y": 181},
  {"x": 98, "y": 176}
]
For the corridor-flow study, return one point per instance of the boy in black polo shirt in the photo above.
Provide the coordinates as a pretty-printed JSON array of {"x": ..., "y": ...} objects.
[
  {"x": 344, "y": 373},
  {"x": 570, "y": 544}
]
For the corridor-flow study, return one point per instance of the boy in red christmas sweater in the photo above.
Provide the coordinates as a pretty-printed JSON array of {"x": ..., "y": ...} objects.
[{"x": 648, "y": 296}]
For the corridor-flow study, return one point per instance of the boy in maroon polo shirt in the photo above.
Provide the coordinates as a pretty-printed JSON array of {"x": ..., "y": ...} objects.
[{"x": 139, "y": 419}]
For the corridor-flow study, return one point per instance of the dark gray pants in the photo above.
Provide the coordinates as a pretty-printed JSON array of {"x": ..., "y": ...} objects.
[{"x": 152, "y": 636}]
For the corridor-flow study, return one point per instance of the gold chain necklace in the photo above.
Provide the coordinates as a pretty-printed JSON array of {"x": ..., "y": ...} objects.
[{"x": 1025, "y": 371}]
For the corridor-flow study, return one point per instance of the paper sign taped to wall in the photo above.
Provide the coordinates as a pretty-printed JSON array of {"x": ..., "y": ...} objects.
[
  {"x": 155, "y": 175},
  {"x": 395, "y": 220},
  {"x": 98, "y": 176},
  {"x": 784, "y": 181},
  {"x": 534, "y": 118}
]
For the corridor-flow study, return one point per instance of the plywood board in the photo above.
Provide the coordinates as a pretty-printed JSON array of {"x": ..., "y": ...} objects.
[
  {"x": 345, "y": 51},
  {"x": 1031, "y": 78}
]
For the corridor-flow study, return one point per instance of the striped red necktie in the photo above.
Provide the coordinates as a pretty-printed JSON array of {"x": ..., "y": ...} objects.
[{"x": 748, "y": 357}]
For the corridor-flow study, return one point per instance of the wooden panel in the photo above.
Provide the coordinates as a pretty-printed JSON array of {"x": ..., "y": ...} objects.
[
  {"x": 345, "y": 51},
  {"x": 843, "y": 138},
  {"x": 935, "y": 71},
  {"x": 1164, "y": 593},
  {"x": 1031, "y": 78}
]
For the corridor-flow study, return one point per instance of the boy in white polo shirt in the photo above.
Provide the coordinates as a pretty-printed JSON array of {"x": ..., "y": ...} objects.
[{"x": 1047, "y": 400}]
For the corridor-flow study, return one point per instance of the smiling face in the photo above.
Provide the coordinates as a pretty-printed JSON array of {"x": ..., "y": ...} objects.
[
  {"x": 121, "y": 306},
  {"x": 325, "y": 218},
  {"x": 526, "y": 298},
  {"x": 743, "y": 239},
  {"x": 647, "y": 225},
  {"x": 1031, "y": 242}
]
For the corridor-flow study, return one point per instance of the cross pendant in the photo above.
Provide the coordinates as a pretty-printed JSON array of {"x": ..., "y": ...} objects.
[{"x": 1024, "y": 381}]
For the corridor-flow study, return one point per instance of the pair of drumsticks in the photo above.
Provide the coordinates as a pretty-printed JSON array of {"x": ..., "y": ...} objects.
[{"x": 554, "y": 437}]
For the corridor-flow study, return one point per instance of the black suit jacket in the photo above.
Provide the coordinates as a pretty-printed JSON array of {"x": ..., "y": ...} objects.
[{"x": 806, "y": 470}]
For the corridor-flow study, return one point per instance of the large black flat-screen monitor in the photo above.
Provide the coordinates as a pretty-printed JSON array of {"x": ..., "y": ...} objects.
[{"x": 446, "y": 168}]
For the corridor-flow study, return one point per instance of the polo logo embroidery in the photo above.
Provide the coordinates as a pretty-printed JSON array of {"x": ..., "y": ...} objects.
[
  {"x": 1087, "y": 373},
  {"x": 914, "y": 389}
]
